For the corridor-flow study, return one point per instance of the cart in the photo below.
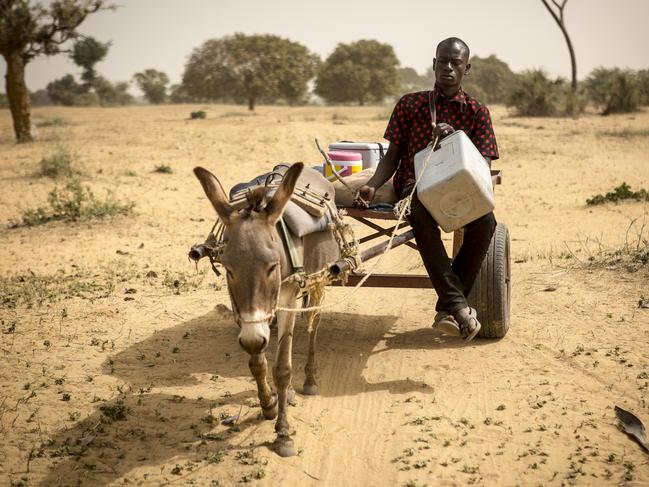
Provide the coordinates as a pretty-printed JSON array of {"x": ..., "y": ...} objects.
[{"x": 491, "y": 293}]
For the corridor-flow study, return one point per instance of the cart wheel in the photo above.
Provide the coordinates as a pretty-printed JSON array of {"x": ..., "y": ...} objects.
[{"x": 491, "y": 293}]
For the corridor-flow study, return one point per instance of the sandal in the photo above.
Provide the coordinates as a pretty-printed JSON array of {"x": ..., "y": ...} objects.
[
  {"x": 445, "y": 323},
  {"x": 469, "y": 324}
]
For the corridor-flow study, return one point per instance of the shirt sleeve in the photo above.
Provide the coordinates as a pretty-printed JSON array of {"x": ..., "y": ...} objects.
[
  {"x": 398, "y": 129},
  {"x": 483, "y": 136}
]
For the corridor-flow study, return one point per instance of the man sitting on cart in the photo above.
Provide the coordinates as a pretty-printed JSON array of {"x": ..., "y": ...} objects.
[{"x": 409, "y": 131}]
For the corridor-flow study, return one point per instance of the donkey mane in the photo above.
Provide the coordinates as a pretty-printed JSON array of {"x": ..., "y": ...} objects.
[{"x": 257, "y": 199}]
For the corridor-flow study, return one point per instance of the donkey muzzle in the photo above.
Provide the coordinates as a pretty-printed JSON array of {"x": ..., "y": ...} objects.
[{"x": 254, "y": 335}]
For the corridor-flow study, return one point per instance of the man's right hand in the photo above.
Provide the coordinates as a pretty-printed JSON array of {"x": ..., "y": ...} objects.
[{"x": 367, "y": 194}]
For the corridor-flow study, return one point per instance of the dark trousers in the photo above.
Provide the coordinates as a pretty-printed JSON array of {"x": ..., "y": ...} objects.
[{"x": 452, "y": 282}]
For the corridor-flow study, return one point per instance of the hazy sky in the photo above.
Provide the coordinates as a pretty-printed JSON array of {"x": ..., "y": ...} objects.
[{"x": 162, "y": 33}]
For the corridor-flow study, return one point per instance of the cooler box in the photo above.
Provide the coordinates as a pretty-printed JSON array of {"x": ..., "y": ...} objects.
[
  {"x": 456, "y": 187},
  {"x": 372, "y": 152},
  {"x": 346, "y": 164}
]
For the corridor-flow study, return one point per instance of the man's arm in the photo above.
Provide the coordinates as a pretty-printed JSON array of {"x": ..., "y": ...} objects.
[{"x": 387, "y": 167}]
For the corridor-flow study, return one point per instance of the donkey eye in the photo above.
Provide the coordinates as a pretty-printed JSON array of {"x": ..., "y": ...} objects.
[{"x": 271, "y": 269}]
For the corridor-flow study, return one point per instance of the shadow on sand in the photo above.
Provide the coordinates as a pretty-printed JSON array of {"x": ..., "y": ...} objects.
[{"x": 158, "y": 425}]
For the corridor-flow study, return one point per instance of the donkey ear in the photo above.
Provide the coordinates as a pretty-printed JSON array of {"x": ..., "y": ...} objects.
[
  {"x": 276, "y": 205},
  {"x": 215, "y": 194}
]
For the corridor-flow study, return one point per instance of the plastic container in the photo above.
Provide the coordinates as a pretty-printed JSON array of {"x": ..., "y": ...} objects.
[
  {"x": 456, "y": 187},
  {"x": 346, "y": 163},
  {"x": 371, "y": 151}
]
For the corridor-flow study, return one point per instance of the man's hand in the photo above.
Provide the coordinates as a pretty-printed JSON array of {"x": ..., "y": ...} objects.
[
  {"x": 441, "y": 130},
  {"x": 367, "y": 194}
]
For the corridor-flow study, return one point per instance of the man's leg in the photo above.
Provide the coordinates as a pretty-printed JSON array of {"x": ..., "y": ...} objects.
[
  {"x": 447, "y": 284},
  {"x": 477, "y": 237}
]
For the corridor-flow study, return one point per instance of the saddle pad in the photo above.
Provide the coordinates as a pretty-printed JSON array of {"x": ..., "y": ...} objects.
[{"x": 304, "y": 214}]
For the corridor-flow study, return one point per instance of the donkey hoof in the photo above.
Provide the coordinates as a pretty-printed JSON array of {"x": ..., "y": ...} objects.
[
  {"x": 284, "y": 447},
  {"x": 270, "y": 411},
  {"x": 310, "y": 390}
]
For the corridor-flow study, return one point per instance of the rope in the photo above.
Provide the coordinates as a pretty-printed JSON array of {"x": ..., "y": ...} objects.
[{"x": 321, "y": 279}]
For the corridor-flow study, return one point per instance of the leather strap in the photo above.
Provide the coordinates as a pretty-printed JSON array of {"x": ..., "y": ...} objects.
[
  {"x": 432, "y": 107},
  {"x": 294, "y": 256}
]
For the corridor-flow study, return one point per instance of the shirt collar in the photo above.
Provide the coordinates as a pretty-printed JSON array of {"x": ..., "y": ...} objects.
[{"x": 459, "y": 97}]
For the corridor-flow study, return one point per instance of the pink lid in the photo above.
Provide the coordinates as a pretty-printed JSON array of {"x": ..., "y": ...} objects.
[{"x": 345, "y": 156}]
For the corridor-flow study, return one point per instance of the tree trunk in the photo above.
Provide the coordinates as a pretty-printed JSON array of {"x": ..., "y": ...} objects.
[
  {"x": 573, "y": 60},
  {"x": 251, "y": 103},
  {"x": 18, "y": 95}
]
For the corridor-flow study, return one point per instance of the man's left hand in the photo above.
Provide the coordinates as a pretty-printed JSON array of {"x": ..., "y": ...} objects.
[{"x": 441, "y": 130}]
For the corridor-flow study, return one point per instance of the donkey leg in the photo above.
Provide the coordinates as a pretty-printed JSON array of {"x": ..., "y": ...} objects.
[
  {"x": 282, "y": 375},
  {"x": 267, "y": 400},
  {"x": 310, "y": 385}
]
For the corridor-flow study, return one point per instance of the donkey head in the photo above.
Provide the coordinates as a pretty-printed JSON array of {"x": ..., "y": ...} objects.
[{"x": 253, "y": 254}]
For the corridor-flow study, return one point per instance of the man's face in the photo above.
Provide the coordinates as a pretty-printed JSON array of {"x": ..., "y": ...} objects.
[{"x": 450, "y": 65}]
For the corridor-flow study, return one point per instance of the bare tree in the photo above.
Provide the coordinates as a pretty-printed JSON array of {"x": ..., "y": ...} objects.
[
  {"x": 27, "y": 31},
  {"x": 558, "y": 17}
]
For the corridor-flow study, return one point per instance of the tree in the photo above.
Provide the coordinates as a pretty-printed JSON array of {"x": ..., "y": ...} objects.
[
  {"x": 614, "y": 90},
  {"x": 411, "y": 80},
  {"x": 64, "y": 91},
  {"x": 86, "y": 53},
  {"x": 153, "y": 84},
  {"x": 111, "y": 94},
  {"x": 362, "y": 71},
  {"x": 558, "y": 18},
  {"x": 643, "y": 86},
  {"x": 250, "y": 68},
  {"x": 490, "y": 79},
  {"x": 27, "y": 31}
]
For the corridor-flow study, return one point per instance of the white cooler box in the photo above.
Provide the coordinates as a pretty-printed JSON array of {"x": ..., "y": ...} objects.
[
  {"x": 371, "y": 151},
  {"x": 456, "y": 187}
]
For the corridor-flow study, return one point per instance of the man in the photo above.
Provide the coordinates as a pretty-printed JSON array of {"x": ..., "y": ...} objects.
[{"x": 409, "y": 131}]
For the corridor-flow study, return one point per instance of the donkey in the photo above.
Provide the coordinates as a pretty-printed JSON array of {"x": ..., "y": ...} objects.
[{"x": 256, "y": 264}]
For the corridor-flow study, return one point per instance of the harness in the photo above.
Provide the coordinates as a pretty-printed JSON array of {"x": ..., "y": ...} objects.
[{"x": 215, "y": 243}]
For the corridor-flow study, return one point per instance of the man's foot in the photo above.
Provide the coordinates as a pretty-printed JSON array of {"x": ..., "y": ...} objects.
[
  {"x": 468, "y": 323},
  {"x": 445, "y": 323}
]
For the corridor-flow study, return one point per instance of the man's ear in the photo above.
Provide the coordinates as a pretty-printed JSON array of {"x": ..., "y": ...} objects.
[
  {"x": 215, "y": 194},
  {"x": 468, "y": 68},
  {"x": 434, "y": 64},
  {"x": 276, "y": 205}
]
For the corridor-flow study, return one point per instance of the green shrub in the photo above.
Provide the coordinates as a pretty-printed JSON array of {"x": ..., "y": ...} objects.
[
  {"x": 198, "y": 115},
  {"x": 614, "y": 90},
  {"x": 163, "y": 169},
  {"x": 58, "y": 164},
  {"x": 72, "y": 203},
  {"x": 622, "y": 192},
  {"x": 536, "y": 95}
]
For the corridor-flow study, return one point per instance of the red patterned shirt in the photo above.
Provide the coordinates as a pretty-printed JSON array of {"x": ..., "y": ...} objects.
[{"x": 410, "y": 128}]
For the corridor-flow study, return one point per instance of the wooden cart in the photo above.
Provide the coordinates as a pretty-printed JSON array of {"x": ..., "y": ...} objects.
[{"x": 491, "y": 292}]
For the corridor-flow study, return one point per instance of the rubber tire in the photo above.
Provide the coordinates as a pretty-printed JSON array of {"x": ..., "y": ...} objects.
[{"x": 491, "y": 293}]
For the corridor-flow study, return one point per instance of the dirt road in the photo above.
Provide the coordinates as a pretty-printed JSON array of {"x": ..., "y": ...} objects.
[{"x": 119, "y": 360}]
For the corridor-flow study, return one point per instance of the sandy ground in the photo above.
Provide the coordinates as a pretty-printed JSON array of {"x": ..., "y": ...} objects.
[{"x": 119, "y": 358}]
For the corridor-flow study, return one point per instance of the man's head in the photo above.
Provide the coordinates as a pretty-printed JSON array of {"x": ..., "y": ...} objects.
[{"x": 450, "y": 64}]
